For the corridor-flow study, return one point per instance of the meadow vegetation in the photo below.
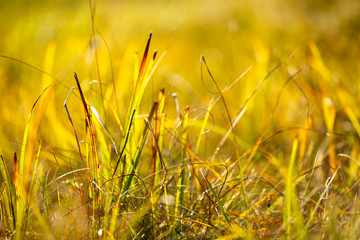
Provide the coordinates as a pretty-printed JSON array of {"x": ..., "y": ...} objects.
[{"x": 179, "y": 119}]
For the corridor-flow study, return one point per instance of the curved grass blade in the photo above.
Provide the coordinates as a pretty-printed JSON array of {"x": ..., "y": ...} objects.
[
  {"x": 202, "y": 60},
  {"x": 24, "y": 165},
  {"x": 90, "y": 132},
  {"x": 104, "y": 126}
]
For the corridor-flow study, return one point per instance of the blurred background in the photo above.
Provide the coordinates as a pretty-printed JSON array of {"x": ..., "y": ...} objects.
[{"x": 320, "y": 39}]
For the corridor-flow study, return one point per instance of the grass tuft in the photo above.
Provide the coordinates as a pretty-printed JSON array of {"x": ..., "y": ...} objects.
[{"x": 108, "y": 153}]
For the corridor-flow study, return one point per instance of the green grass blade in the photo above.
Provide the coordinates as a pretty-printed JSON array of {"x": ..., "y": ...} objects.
[
  {"x": 139, "y": 150},
  {"x": 290, "y": 194}
]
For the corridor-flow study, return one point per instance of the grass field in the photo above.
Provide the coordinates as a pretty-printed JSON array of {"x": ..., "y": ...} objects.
[{"x": 179, "y": 119}]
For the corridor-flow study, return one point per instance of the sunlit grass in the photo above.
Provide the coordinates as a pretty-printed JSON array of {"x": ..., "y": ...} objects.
[{"x": 244, "y": 123}]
